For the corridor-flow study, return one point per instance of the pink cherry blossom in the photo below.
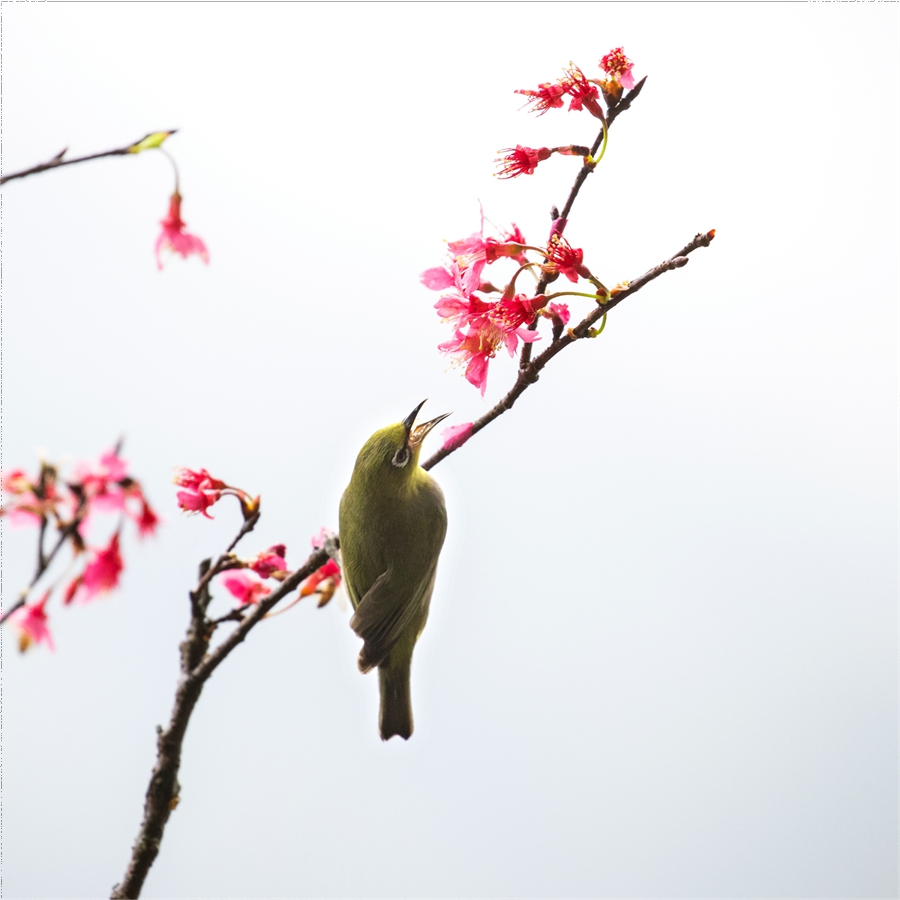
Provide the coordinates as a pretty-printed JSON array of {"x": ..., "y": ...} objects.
[
  {"x": 583, "y": 94},
  {"x": 520, "y": 160},
  {"x": 31, "y": 500},
  {"x": 618, "y": 66},
  {"x": 101, "y": 482},
  {"x": 562, "y": 257},
  {"x": 101, "y": 574},
  {"x": 198, "y": 501},
  {"x": 202, "y": 490},
  {"x": 547, "y": 96},
  {"x": 473, "y": 253},
  {"x": 488, "y": 326},
  {"x": 558, "y": 311},
  {"x": 173, "y": 236},
  {"x": 146, "y": 519},
  {"x": 270, "y": 562},
  {"x": 469, "y": 349},
  {"x": 456, "y": 435},
  {"x": 244, "y": 587},
  {"x": 31, "y": 620},
  {"x": 16, "y": 481},
  {"x": 438, "y": 278}
]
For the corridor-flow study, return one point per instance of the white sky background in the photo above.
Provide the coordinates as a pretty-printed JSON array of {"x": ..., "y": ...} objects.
[{"x": 662, "y": 655}]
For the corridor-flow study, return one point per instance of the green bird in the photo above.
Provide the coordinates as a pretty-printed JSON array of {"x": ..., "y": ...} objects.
[{"x": 392, "y": 522}]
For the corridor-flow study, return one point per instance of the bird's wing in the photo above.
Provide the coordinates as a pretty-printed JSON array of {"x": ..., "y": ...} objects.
[{"x": 385, "y": 611}]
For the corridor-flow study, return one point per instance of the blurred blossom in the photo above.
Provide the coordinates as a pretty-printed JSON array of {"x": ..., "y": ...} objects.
[
  {"x": 173, "y": 236},
  {"x": 456, "y": 435},
  {"x": 243, "y": 586},
  {"x": 547, "y": 96},
  {"x": 31, "y": 620},
  {"x": 327, "y": 578},
  {"x": 146, "y": 519},
  {"x": 271, "y": 562},
  {"x": 101, "y": 574},
  {"x": 324, "y": 581}
]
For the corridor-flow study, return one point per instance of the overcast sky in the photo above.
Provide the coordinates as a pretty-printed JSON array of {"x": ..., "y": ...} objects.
[{"x": 662, "y": 654}]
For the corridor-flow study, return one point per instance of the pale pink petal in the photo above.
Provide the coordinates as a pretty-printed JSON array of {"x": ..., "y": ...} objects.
[
  {"x": 437, "y": 279},
  {"x": 456, "y": 435}
]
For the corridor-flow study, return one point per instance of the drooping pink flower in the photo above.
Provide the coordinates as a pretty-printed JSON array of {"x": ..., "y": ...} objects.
[
  {"x": 470, "y": 350},
  {"x": 31, "y": 620},
  {"x": 488, "y": 327},
  {"x": 246, "y": 589},
  {"x": 460, "y": 310},
  {"x": 101, "y": 574},
  {"x": 456, "y": 435},
  {"x": 146, "y": 519},
  {"x": 562, "y": 257},
  {"x": 202, "y": 490},
  {"x": 547, "y": 96},
  {"x": 618, "y": 66},
  {"x": 583, "y": 94},
  {"x": 473, "y": 253},
  {"x": 198, "y": 501},
  {"x": 175, "y": 238},
  {"x": 520, "y": 160},
  {"x": 270, "y": 561}
]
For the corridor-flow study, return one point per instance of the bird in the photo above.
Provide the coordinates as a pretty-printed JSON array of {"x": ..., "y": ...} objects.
[{"x": 393, "y": 520}]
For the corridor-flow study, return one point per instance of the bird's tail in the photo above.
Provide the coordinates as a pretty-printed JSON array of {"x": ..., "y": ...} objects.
[{"x": 396, "y": 706}]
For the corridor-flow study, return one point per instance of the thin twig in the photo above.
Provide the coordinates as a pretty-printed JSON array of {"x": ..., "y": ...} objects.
[
  {"x": 44, "y": 560},
  {"x": 611, "y": 115},
  {"x": 58, "y": 161}
]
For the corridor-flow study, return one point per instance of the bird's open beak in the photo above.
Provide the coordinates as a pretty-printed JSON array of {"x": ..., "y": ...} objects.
[{"x": 415, "y": 436}]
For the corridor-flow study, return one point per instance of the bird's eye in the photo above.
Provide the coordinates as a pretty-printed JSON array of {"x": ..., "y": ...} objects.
[{"x": 401, "y": 457}]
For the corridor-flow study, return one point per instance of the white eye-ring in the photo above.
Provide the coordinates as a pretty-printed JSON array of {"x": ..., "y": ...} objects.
[{"x": 401, "y": 457}]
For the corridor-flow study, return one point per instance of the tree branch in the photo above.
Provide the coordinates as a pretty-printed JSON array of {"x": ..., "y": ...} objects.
[
  {"x": 58, "y": 161},
  {"x": 197, "y": 664},
  {"x": 44, "y": 559}
]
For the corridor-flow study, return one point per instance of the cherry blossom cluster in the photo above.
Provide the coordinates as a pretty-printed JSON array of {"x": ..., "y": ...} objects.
[
  {"x": 68, "y": 507},
  {"x": 486, "y": 317},
  {"x": 201, "y": 491},
  {"x": 482, "y": 323},
  {"x": 583, "y": 93}
]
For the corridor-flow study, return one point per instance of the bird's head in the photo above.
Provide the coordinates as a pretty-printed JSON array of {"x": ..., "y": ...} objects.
[{"x": 392, "y": 453}]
